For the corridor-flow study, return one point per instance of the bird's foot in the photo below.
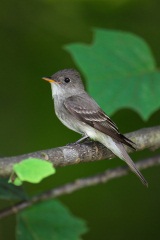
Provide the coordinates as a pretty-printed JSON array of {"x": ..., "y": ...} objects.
[{"x": 84, "y": 139}]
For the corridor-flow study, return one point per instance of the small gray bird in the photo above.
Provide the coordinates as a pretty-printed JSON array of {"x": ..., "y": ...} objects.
[{"x": 79, "y": 112}]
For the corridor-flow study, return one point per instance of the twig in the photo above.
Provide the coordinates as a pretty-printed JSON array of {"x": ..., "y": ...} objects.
[
  {"x": 84, "y": 152},
  {"x": 78, "y": 184}
]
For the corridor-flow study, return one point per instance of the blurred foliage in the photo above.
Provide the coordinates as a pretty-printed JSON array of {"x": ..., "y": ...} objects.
[
  {"x": 49, "y": 220},
  {"x": 120, "y": 70},
  {"x": 33, "y": 34},
  {"x": 9, "y": 191},
  {"x": 32, "y": 170}
]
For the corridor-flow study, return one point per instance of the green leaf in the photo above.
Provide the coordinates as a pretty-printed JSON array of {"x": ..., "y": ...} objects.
[
  {"x": 10, "y": 192},
  {"x": 17, "y": 182},
  {"x": 120, "y": 72},
  {"x": 49, "y": 220},
  {"x": 33, "y": 170}
]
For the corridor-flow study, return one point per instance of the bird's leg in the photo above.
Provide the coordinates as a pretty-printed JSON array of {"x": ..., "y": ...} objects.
[{"x": 84, "y": 138}]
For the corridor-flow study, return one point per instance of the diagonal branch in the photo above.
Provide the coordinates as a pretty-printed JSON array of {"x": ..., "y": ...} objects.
[
  {"x": 84, "y": 152},
  {"x": 78, "y": 184}
]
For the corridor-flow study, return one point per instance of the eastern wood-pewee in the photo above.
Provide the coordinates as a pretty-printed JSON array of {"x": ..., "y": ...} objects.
[{"x": 79, "y": 112}]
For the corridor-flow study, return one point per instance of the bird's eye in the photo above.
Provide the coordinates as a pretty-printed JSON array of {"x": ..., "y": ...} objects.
[{"x": 67, "y": 80}]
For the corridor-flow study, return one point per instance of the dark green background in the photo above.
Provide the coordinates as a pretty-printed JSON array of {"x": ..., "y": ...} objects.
[{"x": 33, "y": 34}]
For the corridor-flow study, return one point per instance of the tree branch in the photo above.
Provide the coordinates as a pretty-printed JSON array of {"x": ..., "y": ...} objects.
[
  {"x": 84, "y": 152},
  {"x": 78, "y": 184}
]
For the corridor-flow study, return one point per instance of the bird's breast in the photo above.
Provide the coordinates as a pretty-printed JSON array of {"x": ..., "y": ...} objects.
[{"x": 65, "y": 116}]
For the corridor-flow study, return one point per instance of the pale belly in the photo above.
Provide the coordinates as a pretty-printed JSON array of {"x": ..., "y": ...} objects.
[
  {"x": 78, "y": 126},
  {"x": 69, "y": 121}
]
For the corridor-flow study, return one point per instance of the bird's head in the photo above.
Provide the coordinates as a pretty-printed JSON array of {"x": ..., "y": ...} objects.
[{"x": 67, "y": 81}]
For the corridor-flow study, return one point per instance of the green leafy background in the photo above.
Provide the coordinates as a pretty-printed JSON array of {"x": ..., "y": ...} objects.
[
  {"x": 33, "y": 36},
  {"x": 33, "y": 170},
  {"x": 54, "y": 222},
  {"x": 120, "y": 72}
]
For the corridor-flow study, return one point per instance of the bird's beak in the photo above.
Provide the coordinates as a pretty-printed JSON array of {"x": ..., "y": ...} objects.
[{"x": 48, "y": 79}]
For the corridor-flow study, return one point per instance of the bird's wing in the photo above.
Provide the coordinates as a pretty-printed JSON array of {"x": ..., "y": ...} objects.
[{"x": 85, "y": 109}]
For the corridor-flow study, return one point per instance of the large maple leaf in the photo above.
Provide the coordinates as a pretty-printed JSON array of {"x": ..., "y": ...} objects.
[{"x": 120, "y": 71}]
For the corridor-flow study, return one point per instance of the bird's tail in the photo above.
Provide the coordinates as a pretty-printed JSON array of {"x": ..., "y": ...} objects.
[
  {"x": 118, "y": 149},
  {"x": 124, "y": 156}
]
